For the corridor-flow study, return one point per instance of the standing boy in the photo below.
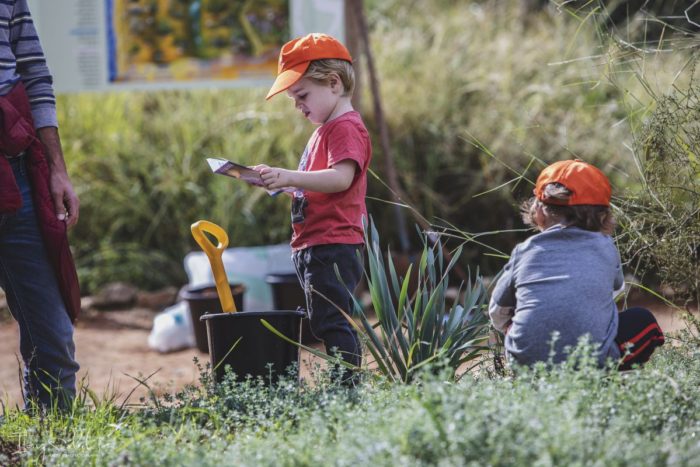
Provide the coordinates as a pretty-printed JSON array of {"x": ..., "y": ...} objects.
[
  {"x": 564, "y": 279},
  {"x": 329, "y": 186},
  {"x": 37, "y": 205}
]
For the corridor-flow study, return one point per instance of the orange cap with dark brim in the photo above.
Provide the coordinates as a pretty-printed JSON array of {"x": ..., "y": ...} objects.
[
  {"x": 586, "y": 182},
  {"x": 297, "y": 54}
]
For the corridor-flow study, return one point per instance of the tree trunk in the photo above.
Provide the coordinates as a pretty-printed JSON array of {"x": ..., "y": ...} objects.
[
  {"x": 399, "y": 197},
  {"x": 389, "y": 166}
]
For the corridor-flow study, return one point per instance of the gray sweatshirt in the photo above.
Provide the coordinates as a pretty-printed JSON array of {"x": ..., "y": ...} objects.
[{"x": 561, "y": 280}]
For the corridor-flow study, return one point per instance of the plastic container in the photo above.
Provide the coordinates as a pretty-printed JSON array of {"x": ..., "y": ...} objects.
[
  {"x": 205, "y": 299},
  {"x": 287, "y": 294},
  {"x": 241, "y": 341}
]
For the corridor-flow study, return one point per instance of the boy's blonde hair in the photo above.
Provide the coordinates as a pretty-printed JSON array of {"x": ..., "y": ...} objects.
[
  {"x": 584, "y": 216},
  {"x": 321, "y": 70}
]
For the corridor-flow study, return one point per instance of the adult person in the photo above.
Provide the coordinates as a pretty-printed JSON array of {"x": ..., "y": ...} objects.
[{"x": 37, "y": 205}]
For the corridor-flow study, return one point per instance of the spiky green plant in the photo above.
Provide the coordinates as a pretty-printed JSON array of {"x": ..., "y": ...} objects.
[
  {"x": 405, "y": 331},
  {"x": 416, "y": 328}
]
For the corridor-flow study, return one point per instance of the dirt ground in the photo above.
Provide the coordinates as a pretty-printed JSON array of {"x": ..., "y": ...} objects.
[{"x": 112, "y": 349}]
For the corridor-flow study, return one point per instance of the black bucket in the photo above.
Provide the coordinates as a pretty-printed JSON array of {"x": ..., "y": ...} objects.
[
  {"x": 287, "y": 294},
  {"x": 241, "y": 341},
  {"x": 205, "y": 299}
]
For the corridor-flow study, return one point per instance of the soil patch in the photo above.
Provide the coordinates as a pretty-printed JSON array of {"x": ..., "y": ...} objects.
[
  {"x": 9, "y": 453},
  {"x": 112, "y": 349}
]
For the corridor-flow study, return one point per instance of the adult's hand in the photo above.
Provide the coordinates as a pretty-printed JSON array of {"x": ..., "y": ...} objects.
[{"x": 65, "y": 200}]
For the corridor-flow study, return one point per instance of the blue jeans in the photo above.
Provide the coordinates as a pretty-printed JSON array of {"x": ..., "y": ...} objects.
[
  {"x": 316, "y": 271},
  {"x": 29, "y": 282}
]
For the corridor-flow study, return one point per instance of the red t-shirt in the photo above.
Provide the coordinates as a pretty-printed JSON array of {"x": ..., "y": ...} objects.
[{"x": 335, "y": 217}]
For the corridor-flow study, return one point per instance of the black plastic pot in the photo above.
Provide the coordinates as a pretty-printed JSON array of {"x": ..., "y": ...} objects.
[
  {"x": 241, "y": 341},
  {"x": 205, "y": 299},
  {"x": 287, "y": 294}
]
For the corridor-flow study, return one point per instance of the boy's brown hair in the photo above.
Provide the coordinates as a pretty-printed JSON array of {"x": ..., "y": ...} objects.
[
  {"x": 596, "y": 218},
  {"x": 321, "y": 70}
]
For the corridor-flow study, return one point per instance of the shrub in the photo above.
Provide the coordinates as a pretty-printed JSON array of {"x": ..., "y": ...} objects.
[
  {"x": 568, "y": 415},
  {"x": 660, "y": 220},
  {"x": 138, "y": 162}
]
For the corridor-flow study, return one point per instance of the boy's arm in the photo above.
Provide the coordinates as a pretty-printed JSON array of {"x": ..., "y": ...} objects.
[
  {"x": 337, "y": 178},
  {"x": 502, "y": 303},
  {"x": 501, "y": 316},
  {"x": 619, "y": 282}
]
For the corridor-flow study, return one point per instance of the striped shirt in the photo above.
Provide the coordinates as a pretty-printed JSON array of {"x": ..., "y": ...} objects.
[{"x": 22, "y": 58}]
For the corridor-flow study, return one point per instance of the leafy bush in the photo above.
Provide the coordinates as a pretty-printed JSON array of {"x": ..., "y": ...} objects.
[
  {"x": 138, "y": 162},
  {"x": 477, "y": 103},
  {"x": 569, "y": 415},
  {"x": 660, "y": 220}
]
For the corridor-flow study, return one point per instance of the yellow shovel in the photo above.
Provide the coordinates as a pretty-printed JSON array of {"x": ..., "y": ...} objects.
[{"x": 214, "y": 253}]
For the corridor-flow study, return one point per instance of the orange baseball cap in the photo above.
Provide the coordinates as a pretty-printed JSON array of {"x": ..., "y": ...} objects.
[
  {"x": 587, "y": 183},
  {"x": 297, "y": 54}
]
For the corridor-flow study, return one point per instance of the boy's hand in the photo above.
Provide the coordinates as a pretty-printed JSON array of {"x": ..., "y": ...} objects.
[
  {"x": 275, "y": 178},
  {"x": 508, "y": 326}
]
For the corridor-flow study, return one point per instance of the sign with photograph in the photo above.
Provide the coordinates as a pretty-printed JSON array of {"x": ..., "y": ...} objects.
[{"x": 155, "y": 44}]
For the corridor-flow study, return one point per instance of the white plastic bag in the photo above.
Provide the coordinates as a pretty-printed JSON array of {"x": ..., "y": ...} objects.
[{"x": 172, "y": 329}]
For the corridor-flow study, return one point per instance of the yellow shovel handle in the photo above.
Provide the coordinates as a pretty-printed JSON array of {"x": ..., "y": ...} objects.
[{"x": 214, "y": 253}]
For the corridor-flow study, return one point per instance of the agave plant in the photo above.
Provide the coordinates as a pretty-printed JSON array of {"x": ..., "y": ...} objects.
[{"x": 417, "y": 328}]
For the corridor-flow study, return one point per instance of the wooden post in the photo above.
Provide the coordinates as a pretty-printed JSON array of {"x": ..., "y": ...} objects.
[
  {"x": 352, "y": 42},
  {"x": 389, "y": 166}
]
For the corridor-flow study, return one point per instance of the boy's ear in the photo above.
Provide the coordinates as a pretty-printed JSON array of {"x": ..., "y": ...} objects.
[{"x": 335, "y": 83}]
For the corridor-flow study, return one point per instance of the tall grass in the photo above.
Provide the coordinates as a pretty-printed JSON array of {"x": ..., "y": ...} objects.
[
  {"x": 477, "y": 103},
  {"x": 480, "y": 101},
  {"x": 139, "y": 163},
  {"x": 470, "y": 75}
]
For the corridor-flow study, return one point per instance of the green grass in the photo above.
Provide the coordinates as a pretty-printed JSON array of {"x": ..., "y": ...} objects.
[{"x": 565, "y": 416}]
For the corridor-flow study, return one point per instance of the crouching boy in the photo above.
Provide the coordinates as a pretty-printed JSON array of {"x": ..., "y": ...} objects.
[{"x": 563, "y": 280}]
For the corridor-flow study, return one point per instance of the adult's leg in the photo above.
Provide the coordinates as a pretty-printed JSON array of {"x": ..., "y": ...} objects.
[
  {"x": 46, "y": 332},
  {"x": 325, "y": 293},
  {"x": 638, "y": 335}
]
